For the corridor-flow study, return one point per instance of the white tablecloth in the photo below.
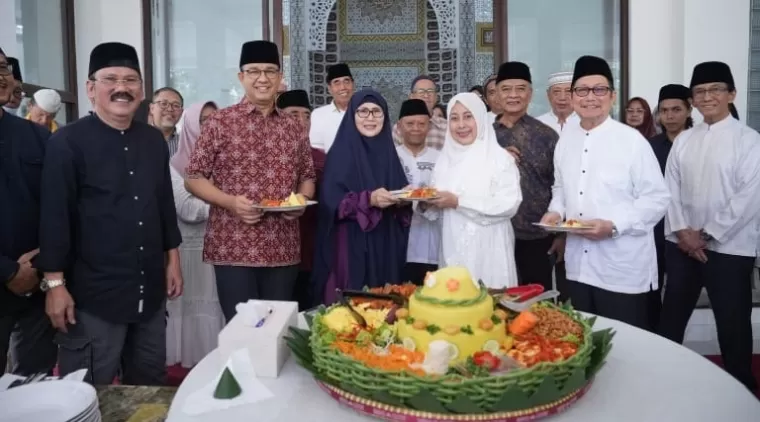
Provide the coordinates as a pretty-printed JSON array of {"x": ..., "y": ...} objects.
[{"x": 646, "y": 379}]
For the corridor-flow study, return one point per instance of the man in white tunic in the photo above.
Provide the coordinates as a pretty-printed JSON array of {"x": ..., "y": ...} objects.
[
  {"x": 607, "y": 176},
  {"x": 325, "y": 120},
  {"x": 713, "y": 173},
  {"x": 418, "y": 161},
  {"x": 560, "y": 100}
]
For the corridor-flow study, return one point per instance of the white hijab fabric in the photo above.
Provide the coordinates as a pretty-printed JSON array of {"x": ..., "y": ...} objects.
[
  {"x": 478, "y": 233},
  {"x": 466, "y": 167}
]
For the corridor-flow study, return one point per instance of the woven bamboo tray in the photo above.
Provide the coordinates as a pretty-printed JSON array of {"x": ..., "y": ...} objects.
[
  {"x": 518, "y": 390},
  {"x": 391, "y": 413}
]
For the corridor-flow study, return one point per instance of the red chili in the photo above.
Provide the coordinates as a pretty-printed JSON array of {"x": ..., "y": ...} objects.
[{"x": 525, "y": 292}]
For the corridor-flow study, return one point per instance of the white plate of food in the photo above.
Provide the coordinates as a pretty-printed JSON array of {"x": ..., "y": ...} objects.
[
  {"x": 293, "y": 203},
  {"x": 417, "y": 194},
  {"x": 569, "y": 226}
]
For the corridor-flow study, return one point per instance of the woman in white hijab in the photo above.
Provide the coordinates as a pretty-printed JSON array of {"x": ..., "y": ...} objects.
[{"x": 479, "y": 187}]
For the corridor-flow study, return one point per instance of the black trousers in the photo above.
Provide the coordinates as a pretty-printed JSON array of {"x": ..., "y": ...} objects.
[
  {"x": 655, "y": 295},
  {"x": 416, "y": 272},
  {"x": 302, "y": 293},
  {"x": 629, "y": 308},
  {"x": 535, "y": 265},
  {"x": 136, "y": 351},
  {"x": 239, "y": 284},
  {"x": 28, "y": 335},
  {"x": 728, "y": 281}
]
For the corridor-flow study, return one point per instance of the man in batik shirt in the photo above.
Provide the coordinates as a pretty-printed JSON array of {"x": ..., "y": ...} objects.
[
  {"x": 532, "y": 144},
  {"x": 248, "y": 153}
]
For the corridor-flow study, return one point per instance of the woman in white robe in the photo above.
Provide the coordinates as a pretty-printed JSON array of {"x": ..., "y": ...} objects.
[
  {"x": 195, "y": 318},
  {"x": 479, "y": 188}
]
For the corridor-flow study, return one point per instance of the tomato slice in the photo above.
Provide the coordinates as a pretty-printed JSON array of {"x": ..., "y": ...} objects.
[{"x": 486, "y": 360}]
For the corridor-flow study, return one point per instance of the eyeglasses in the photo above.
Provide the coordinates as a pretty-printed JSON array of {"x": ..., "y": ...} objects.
[
  {"x": 428, "y": 91},
  {"x": 19, "y": 93},
  {"x": 634, "y": 111},
  {"x": 6, "y": 69},
  {"x": 599, "y": 91},
  {"x": 113, "y": 81},
  {"x": 256, "y": 73},
  {"x": 365, "y": 112},
  {"x": 163, "y": 105},
  {"x": 714, "y": 90}
]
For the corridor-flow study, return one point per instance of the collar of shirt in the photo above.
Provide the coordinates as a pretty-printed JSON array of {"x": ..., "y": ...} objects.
[
  {"x": 726, "y": 123},
  {"x": 335, "y": 108},
  {"x": 497, "y": 123},
  {"x": 570, "y": 117},
  {"x": 411, "y": 153},
  {"x": 110, "y": 128},
  {"x": 248, "y": 108},
  {"x": 605, "y": 125}
]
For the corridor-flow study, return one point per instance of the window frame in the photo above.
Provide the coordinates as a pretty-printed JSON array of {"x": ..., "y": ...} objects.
[
  {"x": 501, "y": 53},
  {"x": 269, "y": 25},
  {"x": 272, "y": 28},
  {"x": 68, "y": 95}
]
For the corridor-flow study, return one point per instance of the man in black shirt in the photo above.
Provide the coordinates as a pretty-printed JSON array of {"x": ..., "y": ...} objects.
[
  {"x": 109, "y": 233},
  {"x": 23, "y": 323}
]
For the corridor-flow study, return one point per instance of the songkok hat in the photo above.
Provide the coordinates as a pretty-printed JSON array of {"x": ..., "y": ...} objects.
[
  {"x": 709, "y": 72},
  {"x": 338, "y": 71},
  {"x": 113, "y": 54},
  {"x": 513, "y": 70},
  {"x": 590, "y": 66},
  {"x": 413, "y": 107},
  {"x": 560, "y": 78},
  {"x": 48, "y": 100},
  {"x": 294, "y": 98},
  {"x": 674, "y": 92},
  {"x": 13, "y": 63},
  {"x": 259, "y": 52}
]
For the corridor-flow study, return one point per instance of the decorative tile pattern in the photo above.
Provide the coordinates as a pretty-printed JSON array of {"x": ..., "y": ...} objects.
[
  {"x": 484, "y": 10},
  {"x": 391, "y": 81},
  {"x": 299, "y": 55},
  {"x": 441, "y": 62},
  {"x": 285, "y": 12},
  {"x": 380, "y": 17},
  {"x": 319, "y": 61},
  {"x": 369, "y": 51},
  {"x": 286, "y": 77},
  {"x": 381, "y": 32},
  {"x": 317, "y": 12},
  {"x": 467, "y": 40},
  {"x": 446, "y": 12},
  {"x": 318, "y": 39},
  {"x": 483, "y": 67}
]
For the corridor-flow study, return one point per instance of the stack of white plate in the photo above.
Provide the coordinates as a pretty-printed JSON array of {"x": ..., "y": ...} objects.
[{"x": 50, "y": 401}]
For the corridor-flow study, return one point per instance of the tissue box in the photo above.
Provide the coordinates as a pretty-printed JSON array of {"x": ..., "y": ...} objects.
[{"x": 266, "y": 344}]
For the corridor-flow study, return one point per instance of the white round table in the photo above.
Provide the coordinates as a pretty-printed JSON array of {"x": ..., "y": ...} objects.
[{"x": 646, "y": 379}]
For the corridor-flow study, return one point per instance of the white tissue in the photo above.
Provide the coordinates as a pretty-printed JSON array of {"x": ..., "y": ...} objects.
[
  {"x": 251, "y": 312},
  {"x": 203, "y": 401}
]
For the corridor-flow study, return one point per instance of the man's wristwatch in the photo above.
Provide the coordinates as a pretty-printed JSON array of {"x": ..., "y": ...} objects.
[
  {"x": 705, "y": 236},
  {"x": 615, "y": 233},
  {"x": 47, "y": 285}
]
